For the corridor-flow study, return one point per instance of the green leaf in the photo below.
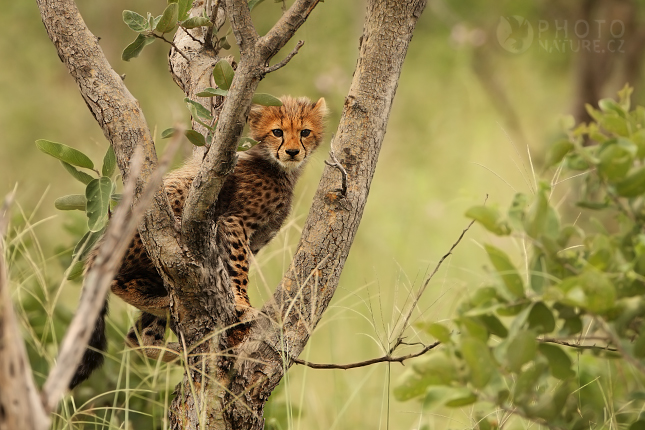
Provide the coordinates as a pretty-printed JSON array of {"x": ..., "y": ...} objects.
[
  {"x": 198, "y": 110},
  {"x": 506, "y": 271},
  {"x": 633, "y": 185},
  {"x": 65, "y": 153},
  {"x": 614, "y": 124},
  {"x": 590, "y": 290},
  {"x": 153, "y": 21},
  {"x": 168, "y": 19},
  {"x": 538, "y": 279},
  {"x": 615, "y": 160},
  {"x": 438, "y": 331},
  {"x": 411, "y": 384},
  {"x": 266, "y": 100},
  {"x": 572, "y": 326},
  {"x": 167, "y": 133},
  {"x": 521, "y": 349},
  {"x": 593, "y": 205},
  {"x": 71, "y": 202},
  {"x": 494, "y": 325},
  {"x": 254, "y": 3},
  {"x": 577, "y": 162},
  {"x": 223, "y": 43},
  {"x": 474, "y": 328},
  {"x": 76, "y": 271},
  {"x": 134, "y": 49},
  {"x": 246, "y": 143},
  {"x": 77, "y": 174},
  {"x": 527, "y": 381},
  {"x": 559, "y": 361},
  {"x": 223, "y": 74},
  {"x": 98, "y": 201},
  {"x": 86, "y": 244},
  {"x": 541, "y": 319},
  {"x": 479, "y": 360},
  {"x": 516, "y": 211},
  {"x": 448, "y": 396},
  {"x": 536, "y": 216},
  {"x": 184, "y": 9},
  {"x": 489, "y": 218},
  {"x": 601, "y": 252},
  {"x": 437, "y": 369},
  {"x": 109, "y": 163},
  {"x": 195, "y": 138},
  {"x": 557, "y": 151},
  {"x": 196, "y": 21},
  {"x": 610, "y": 106},
  {"x": 135, "y": 21},
  {"x": 211, "y": 92}
]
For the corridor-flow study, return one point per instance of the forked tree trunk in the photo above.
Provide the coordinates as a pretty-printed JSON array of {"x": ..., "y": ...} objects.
[{"x": 232, "y": 372}]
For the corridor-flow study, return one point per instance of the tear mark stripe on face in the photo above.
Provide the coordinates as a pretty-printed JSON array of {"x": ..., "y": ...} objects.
[{"x": 277, "y": 153}]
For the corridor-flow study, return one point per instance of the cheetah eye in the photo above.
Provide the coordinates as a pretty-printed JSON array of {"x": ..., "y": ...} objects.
[
  {"x": 305, "y": 132},
  {"x": 277, "y": 132}
]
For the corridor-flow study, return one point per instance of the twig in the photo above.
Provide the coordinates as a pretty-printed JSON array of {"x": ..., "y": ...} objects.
[
  {"x": 425, "y": 285},
  {"x": 172, "y": 44},
  {"x": 189, "y": 35},
  {"x": 343, "y": 172},
  {"x": 110, "y": 254},
  {"x": 578, "y": 346},
  {"x": 385, "y": 359},
  {"x": 284, "y": 62},
  {"x": 628, "y": 357}
]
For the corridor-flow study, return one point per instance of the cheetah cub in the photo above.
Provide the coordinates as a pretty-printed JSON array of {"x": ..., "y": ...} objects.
[{"x": 252, "y": 206}]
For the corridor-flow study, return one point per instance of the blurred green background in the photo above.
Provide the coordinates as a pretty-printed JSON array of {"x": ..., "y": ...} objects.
[{"x": 468, "y": 112}]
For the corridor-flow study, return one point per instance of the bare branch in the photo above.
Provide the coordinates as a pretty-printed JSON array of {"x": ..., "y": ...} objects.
[
  {"x": 413, "y": 306},
  {"x": 116, "y": 241},
  {"x": 343, "y": 172},
  {"x": 171, "y": 43},
  {"x": 578, "y": 345},
  {"x": 284, "y": 62},
  {"x": 20, "y": 403},
  {"x": 384, "y": 359}
]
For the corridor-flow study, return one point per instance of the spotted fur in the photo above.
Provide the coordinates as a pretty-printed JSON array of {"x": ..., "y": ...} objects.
[{"x": 253, "y": 204}]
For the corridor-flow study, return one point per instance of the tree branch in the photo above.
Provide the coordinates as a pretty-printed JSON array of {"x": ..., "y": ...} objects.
[
  {"x": 116, "y": 242},
  {"x": 171, "y": 43},
  {"x": 577, "y": 345},
  {"x": 123, "y": 124},
  {"x": 284, "y": 62},
  {"x": 384, "y": 359}
]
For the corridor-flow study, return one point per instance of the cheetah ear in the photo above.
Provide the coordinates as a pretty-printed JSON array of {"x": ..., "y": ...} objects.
[
  {"x": 320, "y": 106},
  {"x": 255, "y": 113}
]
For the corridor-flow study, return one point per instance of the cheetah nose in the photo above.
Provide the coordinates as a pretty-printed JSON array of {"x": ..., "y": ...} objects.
[{"x": 292, "y": 152}]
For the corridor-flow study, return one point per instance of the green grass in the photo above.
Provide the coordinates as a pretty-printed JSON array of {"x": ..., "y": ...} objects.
[{"x": 446, "y": 149}]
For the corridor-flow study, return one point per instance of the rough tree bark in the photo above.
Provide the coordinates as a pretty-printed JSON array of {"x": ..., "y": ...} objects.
[{"x": 231, "y": 372}]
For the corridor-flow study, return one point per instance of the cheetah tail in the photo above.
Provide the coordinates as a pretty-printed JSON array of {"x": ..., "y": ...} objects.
[{"x": 93, "y": 357}]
